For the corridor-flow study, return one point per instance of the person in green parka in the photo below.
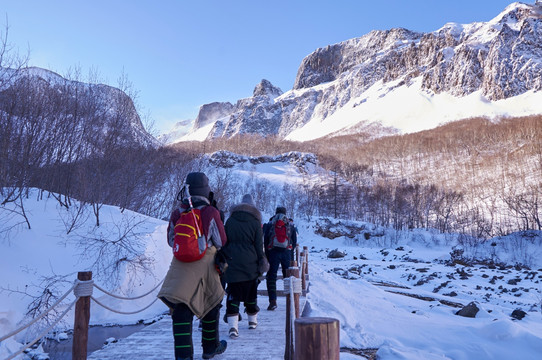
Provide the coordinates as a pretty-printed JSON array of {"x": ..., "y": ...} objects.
[{"x": 245, "y": 253}]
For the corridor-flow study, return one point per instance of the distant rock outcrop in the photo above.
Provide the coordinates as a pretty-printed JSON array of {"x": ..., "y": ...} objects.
[
  {"x": 212, "y": 112},
  {"x": 259, "y": 114}
]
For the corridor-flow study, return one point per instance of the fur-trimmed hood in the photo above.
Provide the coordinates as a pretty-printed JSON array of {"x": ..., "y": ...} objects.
[{"x": 247, "y": 208}]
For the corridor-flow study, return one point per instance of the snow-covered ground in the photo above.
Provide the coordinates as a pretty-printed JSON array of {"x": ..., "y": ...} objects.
[{"x": 365, "y": 289}]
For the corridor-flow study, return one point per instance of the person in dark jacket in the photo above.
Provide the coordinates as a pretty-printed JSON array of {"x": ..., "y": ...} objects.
[
  {"x": 193, "y": 288},
  {"x": 244, "y": 252},
  {"x": 277, "y": 256}
]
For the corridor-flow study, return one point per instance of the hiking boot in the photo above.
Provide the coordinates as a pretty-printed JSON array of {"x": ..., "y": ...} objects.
[
  {"x": 225, "y": 318},
  {"x": 233, "y": 322},
  {"x": 272, "y": 305},
  {"x": 234, "y": 333},
  {"x": 219, "y": 350},
  {"x": 253, "y": 321}
]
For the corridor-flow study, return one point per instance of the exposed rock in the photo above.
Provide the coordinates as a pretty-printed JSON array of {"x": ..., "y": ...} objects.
[
  {"x": 469, "y": 310},
  {"x": 336, "y": 254},
  {"x": 265, "y": 88},
  {"x": 518, "y": 314}
]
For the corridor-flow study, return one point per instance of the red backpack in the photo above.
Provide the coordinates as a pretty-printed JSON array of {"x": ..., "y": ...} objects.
[
  {"x": 279, "y": 232},
  {"x": 189, "y": 243}
]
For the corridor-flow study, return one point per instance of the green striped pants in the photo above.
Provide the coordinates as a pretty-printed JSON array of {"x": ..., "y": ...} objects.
[{"x": 182, "y": 331}]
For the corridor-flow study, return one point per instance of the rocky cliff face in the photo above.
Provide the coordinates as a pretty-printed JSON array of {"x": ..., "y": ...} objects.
[
  {"x": 212, "y": 112},
  {"x": 259, "y": 114},
  {"x": 501, "y": 58},
  {"x": 97, "y": 111}
]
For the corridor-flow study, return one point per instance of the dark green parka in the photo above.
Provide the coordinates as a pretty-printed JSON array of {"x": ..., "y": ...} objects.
[{"x": 244, "y": 248}]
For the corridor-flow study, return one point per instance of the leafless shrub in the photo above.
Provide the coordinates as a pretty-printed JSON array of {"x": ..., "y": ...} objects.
[
  {"x": 117, "y": 251},
  {"x": 73, "y": 217},
  {"x": 42, "y": 296}
]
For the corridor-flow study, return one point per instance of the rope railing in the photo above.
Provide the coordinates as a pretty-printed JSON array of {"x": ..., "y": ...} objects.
[
  {"x": 39, "y": 317},
  {"x": 42, "y": 334},
  {"x": 128, "y": 298},
  {"x": 82, "y": 289},
  {"x": 123, "y": 312}
]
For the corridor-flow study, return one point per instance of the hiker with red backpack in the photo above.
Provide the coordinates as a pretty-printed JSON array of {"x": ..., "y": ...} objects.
[
  {"x": 279, "y": 240},
  {"x": 244, "y": 252},
  {"x": 192, "y": 285}
]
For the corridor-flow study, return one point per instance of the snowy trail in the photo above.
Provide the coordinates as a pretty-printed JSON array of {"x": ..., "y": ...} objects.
[{"x": 156, "y": 341}]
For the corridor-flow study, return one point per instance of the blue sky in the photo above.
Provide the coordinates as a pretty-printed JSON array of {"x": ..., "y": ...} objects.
[{"x": 180, "y": 54}]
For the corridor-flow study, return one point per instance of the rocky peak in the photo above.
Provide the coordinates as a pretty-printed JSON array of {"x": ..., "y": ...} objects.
[
  {"x": 209, "y": 113},
  {"x": 265, "y": 88}
]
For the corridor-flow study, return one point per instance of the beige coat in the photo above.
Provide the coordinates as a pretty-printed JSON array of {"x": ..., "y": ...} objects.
[{"x": 195, "y": 284}]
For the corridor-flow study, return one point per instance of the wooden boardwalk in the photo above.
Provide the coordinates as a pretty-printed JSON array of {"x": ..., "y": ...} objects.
[{"x": 266, "y": 342}]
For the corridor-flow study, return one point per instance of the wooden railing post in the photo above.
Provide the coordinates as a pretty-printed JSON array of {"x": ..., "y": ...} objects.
[
  {"x": 317, "y": 338},
  {"x": 289, "y": 349},
  {"x": 294, "y": 271},
  {"x": 306, "y": 251},
  {"x": 81, "y": 320},
  {"x": 302, "y": 273}
]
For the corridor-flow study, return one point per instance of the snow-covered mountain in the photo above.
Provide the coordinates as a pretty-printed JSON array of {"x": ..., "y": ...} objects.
[
  {"x": 106, "y": 109},
  {"x": 400, "y": 81}
]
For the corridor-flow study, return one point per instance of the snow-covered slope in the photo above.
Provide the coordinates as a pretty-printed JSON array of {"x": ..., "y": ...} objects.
[
  {"x": 47, "y": 255},
  {"x": 403, "y": 81},
  {"x": 395, "y": 294}
]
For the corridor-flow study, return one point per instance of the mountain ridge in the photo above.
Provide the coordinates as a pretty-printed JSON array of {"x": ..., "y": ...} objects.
[{"x": 491, "y": 69}]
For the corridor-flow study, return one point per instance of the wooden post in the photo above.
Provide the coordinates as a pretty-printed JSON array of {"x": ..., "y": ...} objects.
[
  {"x": 80, "y": 322},
  {"x": 297, "y": 253},
  {"x": 302, "y": 272},
  {"x": 295, "y": 273},
  {"x": 288, "y": 349},
  {"x": 317, "y": 338},
  {"x": 293, "y": 270},
  {"x": 306, "y": 250}
]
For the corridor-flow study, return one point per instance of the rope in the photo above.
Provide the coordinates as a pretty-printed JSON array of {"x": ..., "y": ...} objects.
[
  {"x": 80, "y": 289},
  {"x": 83, "y": 288},
  {"x": 122, "y": 312},
  {"x": 295, "y": 283},
  {"x": 129, "y": 298},
  {"x": 39, "y": 317},
  {"x": 42, "y": 334}
]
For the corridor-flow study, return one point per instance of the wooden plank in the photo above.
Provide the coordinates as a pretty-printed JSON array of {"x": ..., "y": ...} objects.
[{"x": 156, "y": 341}]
